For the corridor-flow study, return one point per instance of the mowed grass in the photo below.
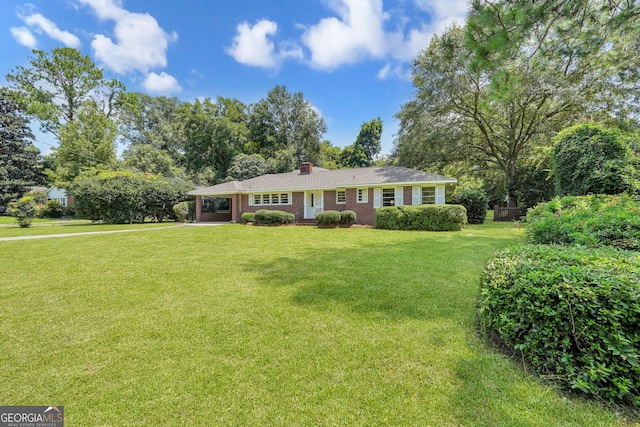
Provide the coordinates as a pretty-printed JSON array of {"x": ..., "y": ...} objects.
[
  {"x": 40, "y": 227},
  {"x": 236, "y": 325}
]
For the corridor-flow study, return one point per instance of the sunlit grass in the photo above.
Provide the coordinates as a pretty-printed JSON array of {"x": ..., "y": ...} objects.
[
  {"x": 74, "y": 226},
  {"x": 238, "y": 325}
]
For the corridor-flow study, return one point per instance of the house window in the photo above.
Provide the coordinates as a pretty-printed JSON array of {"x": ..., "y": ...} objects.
[
  {"x": 341, "y": 197},
  {"x": 271, "y": 199},
  {"x": 363, "y": 195},
  {"x": 388, "y": 197},
  {"x": 428, "y": 195}
]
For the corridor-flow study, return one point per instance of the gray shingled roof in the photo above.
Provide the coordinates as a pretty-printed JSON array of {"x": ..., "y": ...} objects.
[{"x": 323, "y": 179}]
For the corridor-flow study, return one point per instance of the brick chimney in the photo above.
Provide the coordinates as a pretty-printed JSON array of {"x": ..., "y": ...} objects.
[{"x": 306, "y": 168}]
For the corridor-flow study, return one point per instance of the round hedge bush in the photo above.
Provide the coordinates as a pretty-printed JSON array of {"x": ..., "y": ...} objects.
[
  {"x": 248, "y": 217},
  {"x": 475, "y": 201},
  {"x": 573, "y": 314},
  {"x": 273, "y": 217},
  {"x": 328, "y": 217},
  {"x": 348, "y": 217}
]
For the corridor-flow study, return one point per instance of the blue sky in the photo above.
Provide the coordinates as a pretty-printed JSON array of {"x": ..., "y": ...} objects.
[{"x": 350, "y": 58}]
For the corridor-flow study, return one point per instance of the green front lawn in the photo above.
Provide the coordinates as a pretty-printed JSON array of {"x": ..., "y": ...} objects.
[
  {"x": 239, "y": 325},
  {"x": 74, "y": 226}
]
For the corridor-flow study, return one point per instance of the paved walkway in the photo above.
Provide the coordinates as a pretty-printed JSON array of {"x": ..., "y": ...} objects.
[{"x": 89, "y": 233}]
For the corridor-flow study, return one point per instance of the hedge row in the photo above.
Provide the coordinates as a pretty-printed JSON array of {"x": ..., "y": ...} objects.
[
  {"x": 424, "y": 217},
  {"x": 331, "y": 217},
  {"x": 592, "y": 221},
  {"x": 573, "y": 314},
  {"x": 273, "y": 217}
]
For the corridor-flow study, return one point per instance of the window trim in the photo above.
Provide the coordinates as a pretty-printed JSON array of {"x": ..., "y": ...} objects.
[
  {"x": 281, "y": 195},
  {"x": 365, "y": 193}
]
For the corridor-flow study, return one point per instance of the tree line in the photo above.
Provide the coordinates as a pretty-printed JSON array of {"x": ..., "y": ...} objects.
[{"x": 203, "y": 142}]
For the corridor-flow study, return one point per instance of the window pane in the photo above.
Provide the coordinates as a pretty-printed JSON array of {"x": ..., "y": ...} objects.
[
  {"x": 428, "y": 195},
  {"x": 284, "y": 198},
  {"x": 275, "y": 199},
  {"x": 341, "y": 196},
  {"x": 388, "y": 197}
]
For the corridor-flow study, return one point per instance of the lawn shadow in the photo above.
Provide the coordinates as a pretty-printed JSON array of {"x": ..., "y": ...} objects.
[{"x": 429, "y": 275}]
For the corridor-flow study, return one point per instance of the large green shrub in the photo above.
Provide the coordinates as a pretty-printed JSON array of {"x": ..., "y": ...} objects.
[
  {"x": 573, "y": 314},
  {"x": 52, "y": 209},
  {"x": 125, "y": 197},
  {"x": 424, "y": 217},
  {"x": 273, "y": 217},
  {"x": 591, "y": 159},
  {"x": 328, "y": 217},
  {"x": 248, "y": 217},
  {"x": 181, "y": 211},
  {"x": 348, "y": 217},
  {"x": 597, "y": 220},
  {"x": 24, "y": 210},
  {"x": 475, "y": 201}
]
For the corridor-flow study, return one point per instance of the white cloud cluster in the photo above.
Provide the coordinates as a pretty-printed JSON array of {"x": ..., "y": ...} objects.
[
  {"x": 253, "y": 45},
  {"x": 140, "y": 45},
  {"x": 39, "y": 24},
  {"x": 356, "y": 33}
]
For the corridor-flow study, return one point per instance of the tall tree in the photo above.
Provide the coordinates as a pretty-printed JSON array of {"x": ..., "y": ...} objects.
[
  {"x": 86, "y": 142},
  {"x": 215, "y": 133},
  {"x": 158, "y": 121},
  {"x": 19, "y": 167},
  {"x": 54, "y": 87},
  {"x": 465, "y": 110},
  {"x": 285, "y": 120},
  {"x": 369, "y": 139}
]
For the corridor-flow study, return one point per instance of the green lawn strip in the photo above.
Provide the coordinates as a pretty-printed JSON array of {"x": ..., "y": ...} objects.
[
  {"x": 10, "y": 220},
  {"x": 74, "y": 227},
  {"x": 238, "y": 325}
]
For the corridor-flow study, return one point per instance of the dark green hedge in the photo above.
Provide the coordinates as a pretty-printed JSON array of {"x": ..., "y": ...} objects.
[
  {"x": 475, "y": 202},
  {"x": 573, "y": 313},
  {"x": 269, "y": 217},
  {"x": 248, "y": 217},
  {"x": 348, "y": 217},
  {"x": 596, "y": 220},
  {"x": 425, "y": 217}
]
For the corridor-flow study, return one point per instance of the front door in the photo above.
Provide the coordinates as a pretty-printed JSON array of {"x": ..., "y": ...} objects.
[{"x": 313, "y": 203}]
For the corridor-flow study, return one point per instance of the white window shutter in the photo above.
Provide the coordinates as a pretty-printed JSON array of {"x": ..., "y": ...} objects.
[
  {"x": 250, "y": 199},
  {"x": 377, "y": 197},
  {"x": 416, "y": 195},
  {"x": 440, "y": 196},
  {"x": 399, "y": 196}
]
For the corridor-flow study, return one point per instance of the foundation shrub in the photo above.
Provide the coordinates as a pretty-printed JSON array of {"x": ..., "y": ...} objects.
[
  {"x": 424, "y": 217},
  {"x": 52, "y": 209},
  {"x": 248, "y": 217},
  {"x": 475, "y": 201},
  {"x": 328, "y": 218},
  {"x": 573, "y": 314},
  {"x": 273, "y": 217},
  {"x": 348, "y": 217}
]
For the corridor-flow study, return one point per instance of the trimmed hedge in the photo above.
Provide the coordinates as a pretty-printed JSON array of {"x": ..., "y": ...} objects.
[
  {"x": 573, "y": 314},
  {"x": 593, "y": 221},
  {"x": 328, "y": 218},
  {"x": 424, "y": 217},
  {"x": 348, "y": 217},
  {"x": 268, "y": 217},
  {"x": 248, "y": 217}
]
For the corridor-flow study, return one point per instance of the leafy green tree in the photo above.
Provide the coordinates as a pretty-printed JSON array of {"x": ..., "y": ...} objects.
[
  {"x": 24, "y": 210},
  {"x": 353, "y": 156},
  {"x": 55, "y": 87},
  {"x": 329, "y": 155},
  {"x": 466, "y": 111},
  {"x": 155, "y": 121},
  {"x": 285, "y": 120},
  {"x": 86, "y": 142},
  {"x": 19, "y": 158},
  {"x": 369, "y": 139},
  {"x": 148, "y": 159},
  {"x": 283, "y": 161},
  {"x": 589, "y": 158},
  {"x": 246, "y": 166},
  {"x": 215, "y": 133}
]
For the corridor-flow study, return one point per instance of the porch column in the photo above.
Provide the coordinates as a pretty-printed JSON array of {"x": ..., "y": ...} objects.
[
  {"x": 235, "y": 207},
  {"x": 198, "y": 208}
]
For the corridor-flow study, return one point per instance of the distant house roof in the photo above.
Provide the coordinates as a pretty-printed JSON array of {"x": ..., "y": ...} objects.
[{"x": 324, "y": 179}]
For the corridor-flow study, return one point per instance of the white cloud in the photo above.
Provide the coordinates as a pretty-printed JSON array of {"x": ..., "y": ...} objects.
[
  {"x": 24, "y": 37},
  {"x": 357, "y": 34},
  {"x": 40, "y": 23},
  {"x": 390, "y": 70},
  {"x": 140, "y": 43},
  {"x": 252, "y": 45},
  {"x": 162, "y": 83}
]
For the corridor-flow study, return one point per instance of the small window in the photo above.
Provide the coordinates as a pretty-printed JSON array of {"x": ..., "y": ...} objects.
[
  {"x": 428, "y": 195},
  {"x": 257, "y": 199},
  {"x": 341, "y": 197},
  {"x": 275, "y": 199},
  {"x": 363, "y": 195},
  {"x": 388, "y": 197},
  {"x": 284, "y": 198},
  {"x": 271, "y": 199}
]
